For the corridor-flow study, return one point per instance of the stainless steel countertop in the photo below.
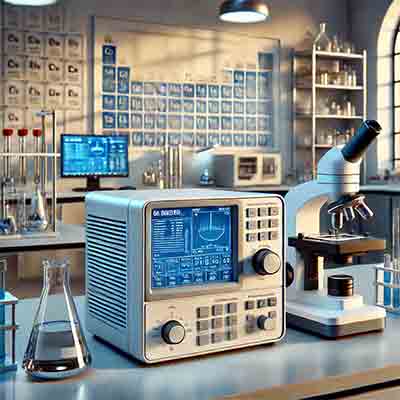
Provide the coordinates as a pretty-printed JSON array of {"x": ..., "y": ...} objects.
[{"x": 301, "y": 365}]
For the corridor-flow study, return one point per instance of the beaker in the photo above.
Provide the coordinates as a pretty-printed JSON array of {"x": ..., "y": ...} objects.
[{"x": 57, "y": 347}]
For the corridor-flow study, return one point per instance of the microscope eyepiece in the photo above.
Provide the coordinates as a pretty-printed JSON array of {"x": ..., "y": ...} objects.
[{"x": 354, "y": 150}]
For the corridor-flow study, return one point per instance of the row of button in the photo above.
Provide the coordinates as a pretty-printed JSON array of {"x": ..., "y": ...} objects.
[
  {"x": 217, "y": 337},
  {"x": 216, "y": 323},
  {"x": 262, "y": 224},
  {"x": 262, "y": 236},
  {"x": 262, "y": 212},
  {"x": 261, "y": 303},
  {"x": 217, "y": 309}
]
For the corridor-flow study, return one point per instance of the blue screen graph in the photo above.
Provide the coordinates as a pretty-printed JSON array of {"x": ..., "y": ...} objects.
[
  {"x": 191, "y": 246},
  {"x": 92, "y": 155}
]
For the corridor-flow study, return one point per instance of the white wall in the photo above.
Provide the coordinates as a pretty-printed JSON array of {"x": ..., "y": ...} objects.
[{"x": 290, "y": 21}]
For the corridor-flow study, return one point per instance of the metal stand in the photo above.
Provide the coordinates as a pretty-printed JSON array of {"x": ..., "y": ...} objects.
[{"x": 41, "y": 183}]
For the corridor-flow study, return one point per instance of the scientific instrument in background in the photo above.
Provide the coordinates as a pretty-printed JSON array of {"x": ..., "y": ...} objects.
[
  {"x": 173, "y": 168},
  {"x": 180, "y": 273},
  {"x": 17, "y": 219},
  {"x": 167, "y": 173},
  {"x": 57, "y": 347},
  {"x": 8, "y": 326},
  {"x": 247, "y": 169},
  {"x": 335, "y": 45},
  {"x": 93, "y": 157},
  {"x": 336, "y": 311}
]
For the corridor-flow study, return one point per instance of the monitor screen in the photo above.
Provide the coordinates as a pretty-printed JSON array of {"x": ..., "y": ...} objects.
[
  {"x": 94, "y": 155},
  {"x": 192, "y": 246}
]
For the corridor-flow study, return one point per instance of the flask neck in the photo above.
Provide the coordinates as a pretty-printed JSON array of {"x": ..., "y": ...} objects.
[
  {"x": 56, "y": 277},
  {"x": 322, "y": 27}
]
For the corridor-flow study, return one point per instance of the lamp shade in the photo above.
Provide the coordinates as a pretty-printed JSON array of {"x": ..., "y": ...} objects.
[
  {"x": 244, "y": 11},
  {"x": 31, "y": 2}
]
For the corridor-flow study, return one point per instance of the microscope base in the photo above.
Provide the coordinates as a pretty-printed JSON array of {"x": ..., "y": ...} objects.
[{"x": 335, "y": 324}]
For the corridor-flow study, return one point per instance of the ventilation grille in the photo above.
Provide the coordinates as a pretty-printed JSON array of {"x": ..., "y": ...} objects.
[{"x": 106, "y": 244}]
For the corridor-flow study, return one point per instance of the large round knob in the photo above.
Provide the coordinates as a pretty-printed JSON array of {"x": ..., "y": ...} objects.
[
  {"x": 173, "y": 332},
  {"x": 266, "y": 262}
]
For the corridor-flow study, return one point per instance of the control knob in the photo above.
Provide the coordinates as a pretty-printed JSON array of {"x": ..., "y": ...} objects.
[
  {"x": 173, "y": 332},
  {"x": 263, "y": 322},
  {"x": 266, "y": 262}
]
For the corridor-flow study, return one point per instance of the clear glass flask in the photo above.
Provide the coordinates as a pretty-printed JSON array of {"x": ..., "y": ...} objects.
[
  {"x": 57, "y": 347},
  {"x": 322, "y": 41}
]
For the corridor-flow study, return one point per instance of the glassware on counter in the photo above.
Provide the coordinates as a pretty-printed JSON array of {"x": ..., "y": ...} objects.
[
  {"x": 322, "y": 41},
  {"x": 57, "y": 347}
]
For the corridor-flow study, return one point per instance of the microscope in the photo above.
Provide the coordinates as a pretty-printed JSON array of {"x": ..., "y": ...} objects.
[{"x": 334, "y": 311}]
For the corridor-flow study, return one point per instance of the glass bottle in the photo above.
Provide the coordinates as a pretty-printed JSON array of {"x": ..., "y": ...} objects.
[
  {"x": 57, "y": 347},
  {"x": 322, "y": 41}
]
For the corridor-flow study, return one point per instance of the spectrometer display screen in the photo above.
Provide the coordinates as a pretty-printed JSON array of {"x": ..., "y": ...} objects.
[
  {"x": 94, "y": 155},
  {"x": 192, "y": 246}
]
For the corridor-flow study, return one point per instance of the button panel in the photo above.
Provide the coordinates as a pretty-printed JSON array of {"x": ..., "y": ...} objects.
[
  {"x": 215, "y": 328},
  {"x": 260, "y": 226}
]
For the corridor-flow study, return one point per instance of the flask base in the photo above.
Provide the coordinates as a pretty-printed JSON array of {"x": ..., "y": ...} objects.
[{"x": 52, "y": 370}]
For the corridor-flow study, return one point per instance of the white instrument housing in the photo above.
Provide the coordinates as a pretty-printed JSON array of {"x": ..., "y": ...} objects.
[{"x": 133, "y": 299}]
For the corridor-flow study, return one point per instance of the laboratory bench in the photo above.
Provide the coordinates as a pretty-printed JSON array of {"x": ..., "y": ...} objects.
[
  {"x": 301, "y": 366},
  {"x": 68, "y": 236}
]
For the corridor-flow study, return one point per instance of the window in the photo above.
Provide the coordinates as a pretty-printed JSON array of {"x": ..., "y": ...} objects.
[{"x": 396, "y": 98}]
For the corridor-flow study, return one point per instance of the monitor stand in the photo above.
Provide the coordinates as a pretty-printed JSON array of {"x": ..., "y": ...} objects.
[{"x": 92, "y": 185}]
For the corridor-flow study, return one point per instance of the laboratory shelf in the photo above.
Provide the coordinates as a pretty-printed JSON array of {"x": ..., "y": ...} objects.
[
  {"x": 337, "y": 87},
  {"x": 328, "y": 54},
  {"x": 327, "y": 116},
  {"x": 309, "y": 93}
]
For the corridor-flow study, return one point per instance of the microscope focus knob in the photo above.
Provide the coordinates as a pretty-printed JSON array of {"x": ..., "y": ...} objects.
[
  {"x": 173, "y": 332},
  {"x": 266, "y": 262}
]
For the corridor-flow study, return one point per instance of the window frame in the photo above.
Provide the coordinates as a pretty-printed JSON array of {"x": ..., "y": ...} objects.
[{"x": 395, "y": 84}]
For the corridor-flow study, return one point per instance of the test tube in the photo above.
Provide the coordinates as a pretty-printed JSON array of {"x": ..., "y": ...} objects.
[
  {"x": 22, "y": 134},
  {"x": 7, "y": 133},
  {"x": 37, "y": 133},
  {"x": 396, "y": 257}
]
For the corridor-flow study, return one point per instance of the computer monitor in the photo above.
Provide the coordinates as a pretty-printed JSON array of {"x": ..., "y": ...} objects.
[{"x": 94, "y": 156}]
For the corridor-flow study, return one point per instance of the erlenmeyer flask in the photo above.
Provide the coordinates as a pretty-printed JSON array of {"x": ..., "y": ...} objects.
[
  {"x": 322, "y": 41},
  {"x": 57, "y": 347}
]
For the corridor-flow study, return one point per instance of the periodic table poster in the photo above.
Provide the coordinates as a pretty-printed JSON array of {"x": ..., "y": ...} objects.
[{"x": 163, "y": 84}]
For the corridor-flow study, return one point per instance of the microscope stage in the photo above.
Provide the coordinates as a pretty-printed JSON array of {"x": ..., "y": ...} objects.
[
  {"x": 334, "y": 324},
  {"x": 336, "y": 245}
]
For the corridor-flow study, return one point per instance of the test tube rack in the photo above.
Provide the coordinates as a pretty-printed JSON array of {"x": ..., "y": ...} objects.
[{"x": 42, "y": 158}]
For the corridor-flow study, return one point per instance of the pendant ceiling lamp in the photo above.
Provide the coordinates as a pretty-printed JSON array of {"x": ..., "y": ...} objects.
[
  {"x": 244, "y": 11},
  {"x": 31, "y": 2}
]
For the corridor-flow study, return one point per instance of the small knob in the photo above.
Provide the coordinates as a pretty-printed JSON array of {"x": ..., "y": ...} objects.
[
  {"x": 266, "y": 262},
  {"x": 262, "y": 322},
  {"x": 173, "y": 332}
]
